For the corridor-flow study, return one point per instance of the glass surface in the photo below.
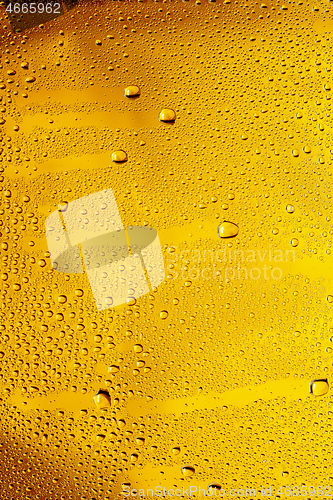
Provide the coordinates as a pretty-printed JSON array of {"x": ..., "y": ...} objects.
[{"x": 166, "y": 269}]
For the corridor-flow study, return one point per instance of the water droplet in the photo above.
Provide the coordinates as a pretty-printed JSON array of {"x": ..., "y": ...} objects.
[
  {"x": 188, "y": 471},
  {"x": 108, "y": 301},
  {"x": 102, "y": 399},
  {"x": 213, "y": 488},
  {"x": 132, "y": 91},
  {"x": 330, "y": 298},
  {"x": 62, "y": 299},
  {"x": 134, "y": 457},
  {"x": 307, "y": 149},
  {"x": 164, "y": 314},
  {"x": 290, "y": 209},
  {"x": 100, "y": 437},
  {"x": 119, "y": 156},
  {"x": 319, "y": 387},
  {"x": 176, "y": 450},
  {"x": 62, "y": 206},
  {"x": 167, "y": 115},
  {"x": 294, "y": 242},
  {"x": 113, "y": 369},
  {"x": 138, "y": 348},
  {"x": 295, "y": 152},
  {"x": 98, "y": 42},
  {"x": 227, "y": 230}
]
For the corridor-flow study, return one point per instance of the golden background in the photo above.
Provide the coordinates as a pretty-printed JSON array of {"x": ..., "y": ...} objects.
[{"x": 212, "y": 373}]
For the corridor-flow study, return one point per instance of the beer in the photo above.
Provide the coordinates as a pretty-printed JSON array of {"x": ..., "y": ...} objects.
[{"x": 166, "y": 325}]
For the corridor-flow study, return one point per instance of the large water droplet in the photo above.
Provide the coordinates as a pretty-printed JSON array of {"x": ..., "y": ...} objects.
[
  {"x": 188, "y": 470},
  {"x": 119, "y": 156},
  {"x": 113, "y": 369},
  {"x": 132, "y": 91},
  {"x": 319, "y": 387},
  {"x": 138, "y": 348},
  {"x": 213, "y": 489},
  {"x": 167, "y": 115},
  {"x": 227, "y": 230},
  {"x": 102, "y": 399}
]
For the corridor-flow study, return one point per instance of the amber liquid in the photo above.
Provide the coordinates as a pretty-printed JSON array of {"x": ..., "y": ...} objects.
[{"x": 219, "y": 377}]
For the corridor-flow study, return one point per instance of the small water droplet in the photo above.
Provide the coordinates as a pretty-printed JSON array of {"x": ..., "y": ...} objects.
[
  {"x": 290, "y": 209},
  {"x": 294, "y": 242},
  {"x": 108, "y": 301},
  {"x": 164, "y": 314}
]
